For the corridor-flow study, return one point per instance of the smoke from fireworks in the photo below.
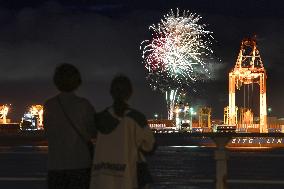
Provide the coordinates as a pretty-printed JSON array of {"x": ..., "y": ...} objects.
[{"x": 177, "y": 53}]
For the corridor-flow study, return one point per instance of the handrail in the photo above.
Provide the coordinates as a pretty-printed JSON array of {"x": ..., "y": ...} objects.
[
  {"x": 221, "y": 134},
  {"x": 221, "y": 155}
]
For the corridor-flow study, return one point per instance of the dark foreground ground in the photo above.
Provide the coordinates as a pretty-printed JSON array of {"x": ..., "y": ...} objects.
[{"x": 24, "y": 167}]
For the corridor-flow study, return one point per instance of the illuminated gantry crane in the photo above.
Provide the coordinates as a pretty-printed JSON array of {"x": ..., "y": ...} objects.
[
  {"x": 204, "y": 117},
  {"x": 226, "y": 115},
  {"x": 37, "y": 111},
  {"x": 4, "y": 109},
  {"x": 33, "y": 119},
  {"x": 248, "y": 70}
]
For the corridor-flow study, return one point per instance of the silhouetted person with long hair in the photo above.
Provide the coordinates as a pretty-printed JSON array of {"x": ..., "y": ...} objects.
[
  {"x": 69, "y": 124},
  {"x": 122, "y": 133}
]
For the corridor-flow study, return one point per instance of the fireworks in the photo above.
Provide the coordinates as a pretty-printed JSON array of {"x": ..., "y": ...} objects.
[{"x": 176, "y": 54}]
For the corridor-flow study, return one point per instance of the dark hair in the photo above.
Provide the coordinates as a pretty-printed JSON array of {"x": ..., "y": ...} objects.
[
  {"x": 121, "y": 91},
  {"x": 67, "y": 77}
]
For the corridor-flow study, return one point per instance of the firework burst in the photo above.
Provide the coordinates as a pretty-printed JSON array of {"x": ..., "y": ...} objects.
[{"x": 176, "y": 55}]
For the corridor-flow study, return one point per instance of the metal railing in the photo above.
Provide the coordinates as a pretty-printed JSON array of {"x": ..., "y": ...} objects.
[{"x": 221, "y": 152}]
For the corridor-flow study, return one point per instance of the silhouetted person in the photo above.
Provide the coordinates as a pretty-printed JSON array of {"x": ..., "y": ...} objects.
[
  {"x": 122, "y": 133},
  {"x": 69, "y": 158}
]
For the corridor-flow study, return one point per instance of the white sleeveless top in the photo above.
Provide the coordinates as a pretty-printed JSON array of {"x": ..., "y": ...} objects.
[{"x": 114, "y": 165}]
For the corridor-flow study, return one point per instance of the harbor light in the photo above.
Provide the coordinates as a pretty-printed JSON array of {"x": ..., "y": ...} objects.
[
  {"x": 192, "y": 112},
  {"x": 156, "y": 116}
]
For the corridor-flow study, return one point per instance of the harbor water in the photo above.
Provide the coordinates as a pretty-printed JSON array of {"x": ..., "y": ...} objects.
[{"x": 181, "y": 167}]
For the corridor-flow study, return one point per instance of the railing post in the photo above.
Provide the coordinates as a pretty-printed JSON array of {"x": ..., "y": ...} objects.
[{"x": 221, "y": 161}]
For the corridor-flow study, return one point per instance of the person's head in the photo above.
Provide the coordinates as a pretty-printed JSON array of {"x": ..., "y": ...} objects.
[
  {"x": 121, "y": 91},
  {"x": 67, "y": 77},
  {"x": 121, "y": 88}
]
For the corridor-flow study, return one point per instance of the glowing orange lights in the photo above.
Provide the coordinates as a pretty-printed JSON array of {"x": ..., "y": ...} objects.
[
  {"x": 37, "y": 110},
  {"x": 247, "y": 71},
  {"x": 4, "y": 109}
]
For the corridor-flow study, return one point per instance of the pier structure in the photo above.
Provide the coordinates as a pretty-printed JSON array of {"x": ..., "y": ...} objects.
[{"x": 248, "y": 70}]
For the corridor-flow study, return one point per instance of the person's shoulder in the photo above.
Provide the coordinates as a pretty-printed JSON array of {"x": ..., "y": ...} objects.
[
  {"x": 138, "y": 117},
  {"x": 106, "y": 123}
]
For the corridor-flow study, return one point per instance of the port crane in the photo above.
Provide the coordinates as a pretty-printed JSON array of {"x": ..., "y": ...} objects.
[
  {"x": 33, "y": 119},
  {"x": 248, "y": 70},
  {"x": 4, "y": 109}
]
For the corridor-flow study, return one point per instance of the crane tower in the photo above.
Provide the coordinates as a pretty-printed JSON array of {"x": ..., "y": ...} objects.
[
  {"x": 4, "y": 109},
  {"x": 248, "y": 70}
]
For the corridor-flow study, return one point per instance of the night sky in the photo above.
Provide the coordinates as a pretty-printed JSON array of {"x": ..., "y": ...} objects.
[{"x": 102, "y": 39}]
